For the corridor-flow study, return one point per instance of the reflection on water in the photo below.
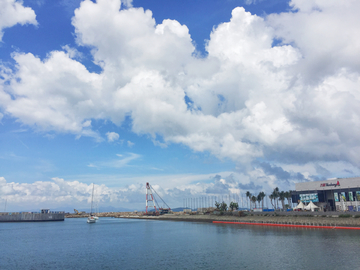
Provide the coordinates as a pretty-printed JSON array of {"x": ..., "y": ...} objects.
[{"x": 138, "y": 244}]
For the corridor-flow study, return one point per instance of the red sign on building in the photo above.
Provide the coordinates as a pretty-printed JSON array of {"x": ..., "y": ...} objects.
[{"x": 330, "y": 184}]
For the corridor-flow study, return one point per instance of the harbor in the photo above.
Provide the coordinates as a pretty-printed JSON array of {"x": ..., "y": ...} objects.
[
  {"x": 300, "y": 216},
  {"x": 124, "y": 243}
]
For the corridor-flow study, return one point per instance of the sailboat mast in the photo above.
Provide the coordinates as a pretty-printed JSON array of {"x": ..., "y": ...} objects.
[{"x": 92, "y": 199}]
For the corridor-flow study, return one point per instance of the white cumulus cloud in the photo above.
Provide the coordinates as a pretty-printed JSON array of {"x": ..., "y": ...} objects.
[
  {"x": 295, "y": 102},
  {"x": 13, "y": 12}
]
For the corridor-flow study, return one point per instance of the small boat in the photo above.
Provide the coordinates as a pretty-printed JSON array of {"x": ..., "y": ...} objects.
[{"x": 92, "y": 218}]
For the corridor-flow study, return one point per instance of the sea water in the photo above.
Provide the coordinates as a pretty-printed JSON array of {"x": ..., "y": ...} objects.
[{"x": 115, "y": 243}]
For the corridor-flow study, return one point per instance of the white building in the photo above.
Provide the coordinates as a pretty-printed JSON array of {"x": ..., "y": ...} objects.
[{"x": 341, "y": 194}]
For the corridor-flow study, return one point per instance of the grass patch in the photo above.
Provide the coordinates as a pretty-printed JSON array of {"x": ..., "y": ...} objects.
[{"x": 345, "y": 216}]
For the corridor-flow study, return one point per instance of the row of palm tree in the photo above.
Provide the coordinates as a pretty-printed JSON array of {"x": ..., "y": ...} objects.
[
  {"x": 274, "y": 197},
  {"x": 259, "y": 198},
  {"x": 277, "y": 196}
]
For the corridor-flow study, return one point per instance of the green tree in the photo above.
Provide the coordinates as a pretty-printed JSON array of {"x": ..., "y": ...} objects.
[
  {"x": 234, "y": 205},
  {"x": 262, "y": 195},
  {"x": 249, "y": 195},
  {"x": 288, "y": 197},
  {"x": 258, "y": 198},
  {"x": 223, "y": 206},
  {"x": 253, "y": 199},
  {"x": 271, "y": 197},
  {"x": 217, "y": 205},
  {"x": 275, "y": 195},
  {"x": 282, "y": 199}
]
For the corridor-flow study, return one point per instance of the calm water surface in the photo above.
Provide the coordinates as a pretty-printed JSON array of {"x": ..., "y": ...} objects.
[{"x": 144, "y": 244}]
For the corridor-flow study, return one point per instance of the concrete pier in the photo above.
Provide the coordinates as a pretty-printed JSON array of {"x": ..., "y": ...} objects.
[{"x": 31, "y": 216}]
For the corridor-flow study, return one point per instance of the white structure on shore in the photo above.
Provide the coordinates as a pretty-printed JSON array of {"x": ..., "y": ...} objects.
[{"x": 340, "y": 194}]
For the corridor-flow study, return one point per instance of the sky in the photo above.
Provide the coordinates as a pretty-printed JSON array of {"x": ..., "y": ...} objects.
[{"x": 198, "y": 98}]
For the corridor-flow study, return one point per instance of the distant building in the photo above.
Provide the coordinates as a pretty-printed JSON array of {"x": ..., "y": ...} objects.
[{"x": 341, "y": 194}]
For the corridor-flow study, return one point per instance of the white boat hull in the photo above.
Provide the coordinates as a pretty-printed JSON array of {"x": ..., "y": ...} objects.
[{"x": 91, "y": 220}]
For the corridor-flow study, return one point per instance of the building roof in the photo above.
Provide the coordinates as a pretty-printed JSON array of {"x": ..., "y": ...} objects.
[{"x": 330, "y": 184}]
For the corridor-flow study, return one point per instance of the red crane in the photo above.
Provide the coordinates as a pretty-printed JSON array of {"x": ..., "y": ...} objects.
[{"x": 150, "y": 198}]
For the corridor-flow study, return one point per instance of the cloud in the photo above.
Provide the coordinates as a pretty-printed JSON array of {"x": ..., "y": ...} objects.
[
  {"x": 296, "y": 102},
  {"x": 173, "y": 189},
  {"x": 130, "y": 144},
  {"x": 250, "y": 2},
  {"x": 119, "y": 163},
  {"x": 116, "y": 163},
  {"x": 112, "y": 136},
  {"x": 60, "y": 193},
  {"x": 12, "y": 12},
  {"x": 274, "y": 170}
]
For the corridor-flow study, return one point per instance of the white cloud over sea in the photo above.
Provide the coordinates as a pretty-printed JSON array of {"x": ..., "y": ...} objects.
[{"x": 292, "y": 105}]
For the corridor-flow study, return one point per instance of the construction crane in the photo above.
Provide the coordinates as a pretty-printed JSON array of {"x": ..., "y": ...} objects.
[
  {"x": 78, "y": 213},
  {"x": 151, "y": 198}
]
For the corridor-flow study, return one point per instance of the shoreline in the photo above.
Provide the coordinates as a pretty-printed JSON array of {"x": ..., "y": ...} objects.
[{"x": 334, "y": 219}]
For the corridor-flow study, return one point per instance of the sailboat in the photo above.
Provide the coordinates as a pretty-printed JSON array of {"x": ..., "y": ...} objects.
[
  {"x": 92, "y": 218},
  {"x": 96, "y": 210},
  {"x": 96, "y": 213}
]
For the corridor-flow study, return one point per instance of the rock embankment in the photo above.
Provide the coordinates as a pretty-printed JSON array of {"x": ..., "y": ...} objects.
[{"x": 102, "y": 214}]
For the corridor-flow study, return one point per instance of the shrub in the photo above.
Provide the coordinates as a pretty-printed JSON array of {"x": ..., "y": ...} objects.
[{"x": 345, "y": 216}]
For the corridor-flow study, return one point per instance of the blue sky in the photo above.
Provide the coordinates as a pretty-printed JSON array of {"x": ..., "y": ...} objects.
[{"x": 200, "y": 98}]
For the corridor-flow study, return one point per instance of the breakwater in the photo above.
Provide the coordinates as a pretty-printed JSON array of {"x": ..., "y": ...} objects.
[{"x": 31, "y": 216}]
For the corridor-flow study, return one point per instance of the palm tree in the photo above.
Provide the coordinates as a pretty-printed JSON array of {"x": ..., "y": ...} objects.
[
  {"x": 288, "y": 197},
  {"x": 253, "y": 199},
  {"x": 282, "y": 199},
  {"x": 248, "y": 195},
  {"x": 258, "y": 198},
  {"x": 275, "y": 194},
  {"x": 262, "y": 195},
  {"x": 271, "y": 197}
]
